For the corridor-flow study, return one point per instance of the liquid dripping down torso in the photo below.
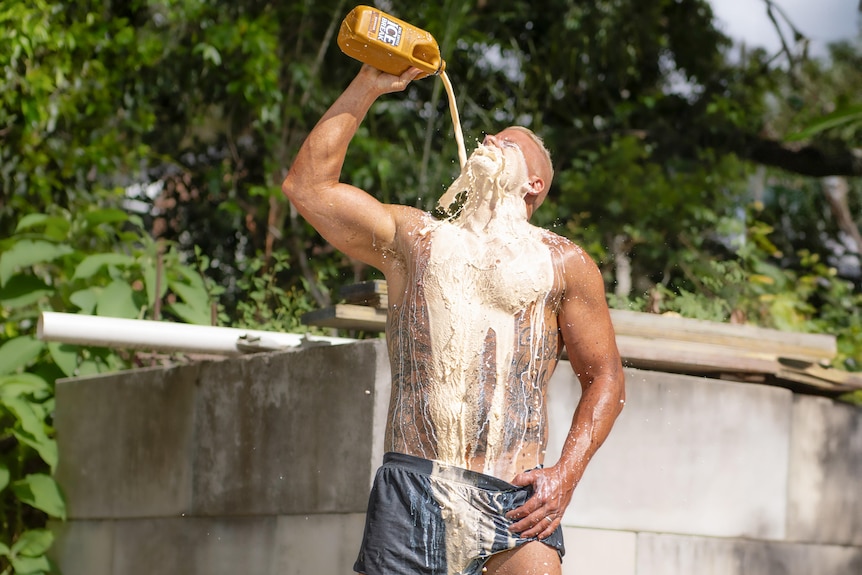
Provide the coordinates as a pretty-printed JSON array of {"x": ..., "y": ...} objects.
[{"x": 473, "y": 338}]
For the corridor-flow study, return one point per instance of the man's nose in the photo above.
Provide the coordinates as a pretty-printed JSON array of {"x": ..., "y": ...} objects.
[{"x": 490, "y": 140}]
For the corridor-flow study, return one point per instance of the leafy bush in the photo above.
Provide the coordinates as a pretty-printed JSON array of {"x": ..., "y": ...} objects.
[{"x": 95, "y": 262}]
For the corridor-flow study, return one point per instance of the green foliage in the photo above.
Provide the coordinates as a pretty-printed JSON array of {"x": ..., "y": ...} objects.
[
  {"x": 750, "y": 286},
  {"x": 65, "y": 111},
  {"x": 849, "y": 116},
  {"x": 269, "y": 305},
  {"x": 854, "y": 397},
  {"x": 95, "y": 261},
  {"x": 28, "y": 452},
  {"x": 820, "y": 102},
  {"x": 27, "y": 554}
]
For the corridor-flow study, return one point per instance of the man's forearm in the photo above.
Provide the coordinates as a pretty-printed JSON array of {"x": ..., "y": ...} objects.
[
  {"x": 601, "y": 402},
  {"x": 321, "y": 156}
]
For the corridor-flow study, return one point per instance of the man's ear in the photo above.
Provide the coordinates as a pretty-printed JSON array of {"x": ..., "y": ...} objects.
[{"x": 536, "y": 185}]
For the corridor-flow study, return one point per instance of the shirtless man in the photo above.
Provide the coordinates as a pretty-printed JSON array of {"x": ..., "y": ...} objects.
[{"x": 479, "y": 306}]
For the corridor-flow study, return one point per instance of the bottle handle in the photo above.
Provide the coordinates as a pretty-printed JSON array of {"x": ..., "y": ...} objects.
[{"x": 426, "y": 56}]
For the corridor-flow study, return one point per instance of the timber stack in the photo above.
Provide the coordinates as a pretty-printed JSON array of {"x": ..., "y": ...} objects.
[{"x": 669, "y": 343}]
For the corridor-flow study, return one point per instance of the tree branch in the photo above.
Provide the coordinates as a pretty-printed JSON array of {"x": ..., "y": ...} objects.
[
  {"x": 836, "y": 190},
  {"x": 818, "y": 159},
  {"x": 808, "y": 160}
]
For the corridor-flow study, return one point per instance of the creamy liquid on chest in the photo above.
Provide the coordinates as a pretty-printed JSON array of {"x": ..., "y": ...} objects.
[{"x": 475, "y": 287}]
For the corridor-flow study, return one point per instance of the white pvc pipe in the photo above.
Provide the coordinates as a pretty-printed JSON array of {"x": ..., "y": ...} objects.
[{"x": 117, "y": 333}]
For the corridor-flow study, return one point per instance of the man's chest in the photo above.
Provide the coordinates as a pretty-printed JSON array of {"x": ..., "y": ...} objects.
[{"x": 504, "y": 273}]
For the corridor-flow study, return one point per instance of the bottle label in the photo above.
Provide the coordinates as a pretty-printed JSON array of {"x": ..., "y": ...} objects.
[{"x": 390, "y": 32}]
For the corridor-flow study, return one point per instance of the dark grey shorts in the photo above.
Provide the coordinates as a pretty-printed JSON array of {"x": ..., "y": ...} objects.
[{"x": 429, "y": 518}]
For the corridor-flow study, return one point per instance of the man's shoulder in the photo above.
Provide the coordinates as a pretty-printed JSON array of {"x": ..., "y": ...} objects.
[
  {"x": 406, "y": 215},
  {"x": 572, "y": 254},
  {"x": 411, "y": 223},
  {"x": 556, "y": 240}
]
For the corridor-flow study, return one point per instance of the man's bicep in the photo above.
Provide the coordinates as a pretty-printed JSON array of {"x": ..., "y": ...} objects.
[
  {"x": 353, "y": 221},
  {"x": 585, "y": 325}
]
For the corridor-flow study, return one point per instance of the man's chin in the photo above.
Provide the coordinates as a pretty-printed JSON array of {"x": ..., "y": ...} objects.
[{"x": 484, "y": 165}]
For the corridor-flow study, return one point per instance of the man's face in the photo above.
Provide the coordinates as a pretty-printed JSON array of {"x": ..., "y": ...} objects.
[
  {"x": 505, "y": 165},
  {"x": 517, "y": 142}
]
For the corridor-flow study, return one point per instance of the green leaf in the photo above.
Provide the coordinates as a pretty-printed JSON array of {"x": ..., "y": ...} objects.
[
  {"x": 25, "y": 253},
  {"x": 210, "y": 53},
  {"x": 32, "y": 430},
  {"x": 19, "y": 352},
  {"x": 837, "y": 118},
  {"x": 31, "y": 221},
  {"x": 150, "y": 282},
  {"x": 33, "y": 543},
  {"x": 194, "y": 296},
  {"x": 89, "y": 367},
  {"x": 4, "y": 476},
  {"x": 42, "y": 444},
  {"x": 193, "y": 278},
  {"x": 86, "y": 299},
  {"x": 125, "y": 36},
  {"x": 26, "y": 415},
  {"x": 190, "y": 315},
  {"x": 18, "y": 384},
  {"x": 117, "y": 300},
  {"x": 65, "y": 356},
  {"x": 22, "y": 290},
  {"x": 30, "y": 565},
  {"x": 105, "y": 216},
  {"x": 42, "y": 492},
  {"x": 92, "y": 264}
]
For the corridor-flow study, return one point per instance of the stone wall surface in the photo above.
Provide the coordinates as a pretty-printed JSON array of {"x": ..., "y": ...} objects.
[
  {"x": 262, "y": 465},
  {"x": 661, "y": 554},
  {"x": 682, "y": 450},
  {"x": 127, "y": 443},
  {"x": 825, "y": 491}
]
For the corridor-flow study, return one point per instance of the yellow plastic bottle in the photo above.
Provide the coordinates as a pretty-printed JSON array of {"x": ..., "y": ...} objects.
[{"x": 387, "y": 43}]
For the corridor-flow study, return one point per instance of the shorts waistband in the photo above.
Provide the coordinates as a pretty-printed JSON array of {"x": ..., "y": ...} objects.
[{"x": 444, "y": 470}]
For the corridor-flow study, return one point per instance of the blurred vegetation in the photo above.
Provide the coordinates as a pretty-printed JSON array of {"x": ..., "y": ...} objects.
[{"x": 142, "y": 145}]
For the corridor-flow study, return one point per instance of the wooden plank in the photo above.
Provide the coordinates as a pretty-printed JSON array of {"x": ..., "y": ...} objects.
[
  {"x": 840, "y": 379},
  {"x": 815, "y": 348},
  {"x": 636, "y": 350},
  {"x": 347, "y": 316},
  {"x": 668, "y": 343},
  {"x": 725, "y": 362},
  {"x": 373, "y": 293},
  {"x": 802, "y": 382},
  {"x": 810, "y": 347},
  {"x": 693, "y": 357}
]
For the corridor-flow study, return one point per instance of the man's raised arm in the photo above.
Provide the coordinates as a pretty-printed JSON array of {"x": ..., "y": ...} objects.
[{"x": 350, "y": 219}]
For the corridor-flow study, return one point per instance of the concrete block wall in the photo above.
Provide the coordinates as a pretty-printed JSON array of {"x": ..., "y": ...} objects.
[{"x": 262, "y": 465}]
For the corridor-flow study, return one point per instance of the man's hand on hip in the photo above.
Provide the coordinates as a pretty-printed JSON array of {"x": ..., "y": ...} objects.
[{"x": 543, "y": 512}]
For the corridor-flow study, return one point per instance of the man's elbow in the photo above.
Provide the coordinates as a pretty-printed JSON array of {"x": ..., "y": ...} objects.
[
  {"x": 620, "y": 381},
  {"x": 613, "y": 390},
  {"x": 289, "y": 187}
]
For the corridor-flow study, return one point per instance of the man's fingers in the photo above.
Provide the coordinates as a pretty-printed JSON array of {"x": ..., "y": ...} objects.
[
  {"x": 523, "y": 479},
  {"x": 531, "y": 505},
  {"x": 551, "y": 527},
  {"x": 540, "y": 515},
  {"x": 387, "y": 83},
  {"x": 410, "y": 74},
  {"x": 536, "y": 525}
]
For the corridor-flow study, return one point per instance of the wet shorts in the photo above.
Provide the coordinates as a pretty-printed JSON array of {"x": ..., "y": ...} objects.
[{"x": 428, "y": 518}]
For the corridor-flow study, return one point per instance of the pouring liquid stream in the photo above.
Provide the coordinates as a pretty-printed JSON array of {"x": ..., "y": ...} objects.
[{"x": 456, "y": 121}]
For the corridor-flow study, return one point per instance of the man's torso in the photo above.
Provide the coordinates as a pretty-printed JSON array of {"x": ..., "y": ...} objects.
[{"x": 473, "y": 341}]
